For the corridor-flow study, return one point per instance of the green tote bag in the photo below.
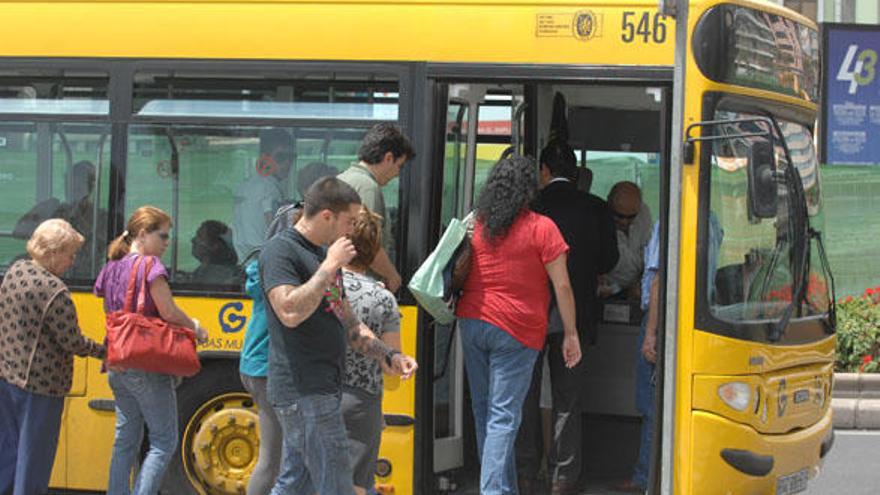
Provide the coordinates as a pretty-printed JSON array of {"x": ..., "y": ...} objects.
[{"x": 429, "y": 283}]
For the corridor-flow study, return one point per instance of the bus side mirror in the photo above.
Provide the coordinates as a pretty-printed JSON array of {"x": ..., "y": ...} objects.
[{"x": 763, "y": 190}]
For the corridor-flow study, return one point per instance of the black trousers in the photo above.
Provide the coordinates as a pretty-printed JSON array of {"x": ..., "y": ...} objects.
[{"x": 566, "y": 446}]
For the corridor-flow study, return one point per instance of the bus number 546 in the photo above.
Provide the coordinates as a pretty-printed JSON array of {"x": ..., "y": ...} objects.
[{"x": 647, "y": 29}]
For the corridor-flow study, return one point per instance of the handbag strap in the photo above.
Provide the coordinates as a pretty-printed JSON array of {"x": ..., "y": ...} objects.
[
  {"x": 128, "y": 305},
  {"x": 142, "y": 292}
]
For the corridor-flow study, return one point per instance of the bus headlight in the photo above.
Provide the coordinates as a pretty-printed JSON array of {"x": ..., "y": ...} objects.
[{"x": 737, "y": 395}]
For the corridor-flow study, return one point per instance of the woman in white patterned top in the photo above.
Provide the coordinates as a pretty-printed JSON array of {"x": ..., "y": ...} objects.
[{"x": 376, "y": 307}]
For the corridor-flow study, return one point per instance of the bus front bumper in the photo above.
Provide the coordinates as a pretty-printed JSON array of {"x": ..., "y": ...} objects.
[{"x": 742, "y": 460}]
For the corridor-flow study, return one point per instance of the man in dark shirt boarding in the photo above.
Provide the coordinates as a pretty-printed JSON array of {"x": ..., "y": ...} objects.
[
  {"x": 588, "y": 229},
  {"x": 310, "y": 324}
]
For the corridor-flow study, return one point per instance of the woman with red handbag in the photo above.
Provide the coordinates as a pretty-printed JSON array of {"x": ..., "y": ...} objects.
[{"x": 142, "y": 396}]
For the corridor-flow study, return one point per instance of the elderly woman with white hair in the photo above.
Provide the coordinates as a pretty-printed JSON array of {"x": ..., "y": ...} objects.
[{"x": 39, "y": 335}]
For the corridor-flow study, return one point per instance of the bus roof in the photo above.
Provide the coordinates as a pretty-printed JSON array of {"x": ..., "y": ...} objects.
[
  {"x": 535, "y": 32},
  {"x": 610, "y": 32}
]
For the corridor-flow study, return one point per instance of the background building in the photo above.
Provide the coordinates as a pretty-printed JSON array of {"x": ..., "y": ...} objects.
[
  {"x": 851, "y": 192},
  {"x": 858, "y": 11}
]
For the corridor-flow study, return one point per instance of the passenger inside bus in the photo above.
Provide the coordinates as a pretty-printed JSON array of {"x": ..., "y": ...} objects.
[
  {"x": 312, "y": 172},
  {"x": 78, "y": 209},
  {"x": 262, "y": 193},
  {"x": 633, "y": 219},
  {"x": 212, "y": 246}
]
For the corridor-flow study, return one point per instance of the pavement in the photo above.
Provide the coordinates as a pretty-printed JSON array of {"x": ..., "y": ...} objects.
[
  {"x": 852, "y": 466},
  {"x": 856, "y": 401}
]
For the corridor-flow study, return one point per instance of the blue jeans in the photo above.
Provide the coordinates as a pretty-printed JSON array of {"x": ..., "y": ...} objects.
[
  {"x": 269, "y": 458},
  {"x": 645, "y": 406},
  {"x": 142, "y": 397},
  {"x": 499, "y": 371},
  {"x": 315, "y": 458},
  {"x": 29, "y": 426}
]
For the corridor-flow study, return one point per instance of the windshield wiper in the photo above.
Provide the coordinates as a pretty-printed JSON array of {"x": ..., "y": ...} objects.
[
  {"x": 799, "y": 225},
  {"x": 831, "y": 323}
]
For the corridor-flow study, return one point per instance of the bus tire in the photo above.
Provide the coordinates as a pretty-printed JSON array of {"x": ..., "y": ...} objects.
[{"x": 219, "y": 439}]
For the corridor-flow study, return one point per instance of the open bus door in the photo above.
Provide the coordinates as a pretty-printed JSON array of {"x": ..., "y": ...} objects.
[{"x": 481, "y": 124}]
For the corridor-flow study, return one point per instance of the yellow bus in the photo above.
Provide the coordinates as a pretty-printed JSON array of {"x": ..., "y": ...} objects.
[{"x": 107, "y": 106}]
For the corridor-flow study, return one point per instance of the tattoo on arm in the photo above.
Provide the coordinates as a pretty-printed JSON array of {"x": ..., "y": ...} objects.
[
  {"x": 294, "y": 305},
  {"x": 360, "y": 338},
  {"x": 349, "y": 319}
]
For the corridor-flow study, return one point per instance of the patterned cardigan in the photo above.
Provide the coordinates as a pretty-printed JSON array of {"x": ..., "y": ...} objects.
[{"x": 39, "y": 333}]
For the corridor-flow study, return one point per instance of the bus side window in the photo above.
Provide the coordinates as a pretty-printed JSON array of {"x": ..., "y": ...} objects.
[
  {"x": 191, "y": 173},
  {"x": 222, "y": 185},
  {"x": 54, "y": 170}
]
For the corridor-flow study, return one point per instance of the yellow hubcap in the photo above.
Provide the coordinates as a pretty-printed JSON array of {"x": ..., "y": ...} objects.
[
  {"x": 239, "y": 453},
  {"x": 224, "y": 444}
]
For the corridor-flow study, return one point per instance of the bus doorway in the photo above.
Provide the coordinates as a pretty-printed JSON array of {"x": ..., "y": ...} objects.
[{"x": 618, "y": 134}]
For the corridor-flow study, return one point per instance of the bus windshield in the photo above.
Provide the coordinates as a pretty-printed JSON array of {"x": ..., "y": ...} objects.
[{"x": 754, "y": 266}]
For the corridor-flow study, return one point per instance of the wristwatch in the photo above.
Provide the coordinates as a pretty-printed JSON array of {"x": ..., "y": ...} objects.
[{"x": 390, "y": 355}]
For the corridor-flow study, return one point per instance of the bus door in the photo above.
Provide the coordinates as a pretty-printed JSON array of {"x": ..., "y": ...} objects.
[{"x": 482, "y": 123}]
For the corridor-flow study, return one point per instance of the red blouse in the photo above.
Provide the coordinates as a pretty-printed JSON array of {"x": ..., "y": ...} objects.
[{"x": 508, "y": 285}]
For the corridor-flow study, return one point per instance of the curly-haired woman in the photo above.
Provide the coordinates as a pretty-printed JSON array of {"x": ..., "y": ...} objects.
[
  {"x": 363, "y": 382},
  {"x": 516, "y": 256}
]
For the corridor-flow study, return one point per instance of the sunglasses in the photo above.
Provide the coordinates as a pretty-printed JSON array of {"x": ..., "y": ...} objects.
[
  {"x": 164, "y": 236},
  {"x": 624, "y": 217}
]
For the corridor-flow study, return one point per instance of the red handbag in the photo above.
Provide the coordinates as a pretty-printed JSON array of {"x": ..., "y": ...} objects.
[{"x": 148, "y": 343}]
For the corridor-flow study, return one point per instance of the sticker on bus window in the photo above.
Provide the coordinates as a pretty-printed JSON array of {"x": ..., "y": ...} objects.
[{"x": 2, "y": 142}]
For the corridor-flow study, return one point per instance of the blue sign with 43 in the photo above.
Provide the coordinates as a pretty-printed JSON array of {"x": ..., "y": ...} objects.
[{"x": 851, "y": 110}]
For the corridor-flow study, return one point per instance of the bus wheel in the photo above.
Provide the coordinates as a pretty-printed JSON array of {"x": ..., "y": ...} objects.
[{"x": 219, "y": 439}]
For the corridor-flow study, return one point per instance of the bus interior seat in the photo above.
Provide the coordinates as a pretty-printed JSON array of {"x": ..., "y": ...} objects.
[{"x": 729, "y": 285}]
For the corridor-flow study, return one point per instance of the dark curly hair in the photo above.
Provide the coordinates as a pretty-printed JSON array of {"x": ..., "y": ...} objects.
[{"x": 510, "y": 188}]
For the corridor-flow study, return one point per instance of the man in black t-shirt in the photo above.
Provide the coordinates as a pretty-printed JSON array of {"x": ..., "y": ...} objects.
[{"x": 310, "y": 323}]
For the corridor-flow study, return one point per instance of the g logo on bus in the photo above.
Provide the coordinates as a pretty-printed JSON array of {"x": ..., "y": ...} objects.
[{"x": 230, "y": 317}]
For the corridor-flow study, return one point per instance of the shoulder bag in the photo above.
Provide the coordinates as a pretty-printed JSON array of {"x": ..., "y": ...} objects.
[{"x": 148, "y": 343}]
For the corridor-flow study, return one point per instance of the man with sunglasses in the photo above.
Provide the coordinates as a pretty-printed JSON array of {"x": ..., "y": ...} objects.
[
  {"x": 257, "y": 198},
  {"x": 633, "y": 220}
]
